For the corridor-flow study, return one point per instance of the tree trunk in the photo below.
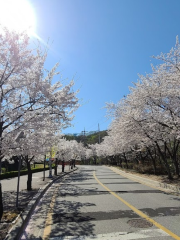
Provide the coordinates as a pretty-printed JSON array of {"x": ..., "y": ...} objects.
[
  {"x": 1, "y": 199},
  {"x": 126, "y": 160},
  {"x": 62, "y": 166},
  {"x": 120, "y": 162},
  {"x": 0, "y": 166},
  {"x": 94, "y": 160},
  {"x": 29, "y": 180},
  {"x": 173, "y": 155},
  {"x": 141, "y": 157},
  {"x": 175, "y": 160},
  {"x": 1, "y": 203},
  {"x": 153, "y": 162},
  {"x": 165, "y": 161},
  {"x": 55, "y": 168},
  {"x": 176, "y": 165},
  {"x": 71, "y": 164},
  {"x": 44, "y": 168}
]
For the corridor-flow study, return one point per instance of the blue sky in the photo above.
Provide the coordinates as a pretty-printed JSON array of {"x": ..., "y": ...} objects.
[{"x": 104, "y": 45}]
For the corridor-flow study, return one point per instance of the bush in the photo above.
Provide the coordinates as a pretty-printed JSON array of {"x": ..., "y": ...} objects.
[
  {"x": 130, "y": 165},
  {"x": 148, "y": 169},
  {"x": 3, "y": 170},
  {"x": 23, "y": 172},
  {"x": 141, "y": 168}
]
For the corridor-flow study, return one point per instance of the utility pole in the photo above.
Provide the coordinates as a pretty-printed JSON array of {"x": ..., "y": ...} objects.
[
  {"x": 84, "y": 134},
  {"x": 99, "y": 133}
]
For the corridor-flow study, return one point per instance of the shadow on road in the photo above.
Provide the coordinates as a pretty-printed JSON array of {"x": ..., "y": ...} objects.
[{"x": 66, "y": 214}]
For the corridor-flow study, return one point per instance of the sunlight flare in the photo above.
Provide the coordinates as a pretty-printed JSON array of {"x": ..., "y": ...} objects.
[{"x": 17, "y": 15}]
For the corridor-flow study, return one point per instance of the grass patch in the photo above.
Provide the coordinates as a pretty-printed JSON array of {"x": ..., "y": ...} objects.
[{"x": 41, "y": 165}]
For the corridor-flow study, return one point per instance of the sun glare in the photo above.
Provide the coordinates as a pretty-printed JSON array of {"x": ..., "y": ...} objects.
[{"x": 17, "y": 15}]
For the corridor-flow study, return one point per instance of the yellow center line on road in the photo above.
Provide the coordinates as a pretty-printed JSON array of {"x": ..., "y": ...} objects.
[
  {"x": 48, "y": 224},
  {"x": 141, "y": 214}
]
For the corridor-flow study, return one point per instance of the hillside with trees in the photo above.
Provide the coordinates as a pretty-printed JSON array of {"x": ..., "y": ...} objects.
[{"x": 88, "y": 138}]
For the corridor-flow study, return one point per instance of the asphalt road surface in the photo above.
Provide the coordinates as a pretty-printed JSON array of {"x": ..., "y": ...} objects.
[{"x": 96, "y": 203}]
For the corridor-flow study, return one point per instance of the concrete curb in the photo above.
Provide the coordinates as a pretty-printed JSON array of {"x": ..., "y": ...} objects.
[
  {"x": 21, "y": 223},
  {"x": 169, "y": 186},
  {"x": 149, "y": 182}
]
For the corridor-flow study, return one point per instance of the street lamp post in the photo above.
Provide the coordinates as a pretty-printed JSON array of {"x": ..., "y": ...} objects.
[
  {"x": 44, "y": 167},
  {"x": 20, "y": 135},
  {"x": 17, "y": 195}
]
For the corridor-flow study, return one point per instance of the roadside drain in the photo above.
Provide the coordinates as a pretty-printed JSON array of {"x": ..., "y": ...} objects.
[{"x": 139, "y": 223}]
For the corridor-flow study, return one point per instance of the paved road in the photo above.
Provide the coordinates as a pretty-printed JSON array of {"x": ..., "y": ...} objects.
[{"x": 97, "y": 203}]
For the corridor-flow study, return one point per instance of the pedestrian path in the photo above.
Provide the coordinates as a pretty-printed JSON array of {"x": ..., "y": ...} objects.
[{"x": 23, "y": 219}]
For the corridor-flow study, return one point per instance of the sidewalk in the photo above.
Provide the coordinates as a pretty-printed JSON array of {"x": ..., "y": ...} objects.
[
  {"x": 27, "y": 203},
  {"x": 149, "y": 182}
]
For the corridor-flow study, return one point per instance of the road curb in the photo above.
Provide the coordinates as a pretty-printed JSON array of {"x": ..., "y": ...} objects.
[
  {"x": 21, "y": 223},
  {"x": 151, "y": 183}
]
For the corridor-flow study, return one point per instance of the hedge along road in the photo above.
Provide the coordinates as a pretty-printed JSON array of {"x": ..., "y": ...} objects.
[
  {"x": 10, "y": 184},
  {"x": 97, "y": 203}
]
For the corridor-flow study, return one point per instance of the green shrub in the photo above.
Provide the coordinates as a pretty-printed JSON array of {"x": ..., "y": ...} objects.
[
  {"x": 141, "y": 168},
  {"x": 148, "y": 169},
  {"x": 129, "y": 164},
  {"x": 23, "y": 172},
  {"x": 3, "y": 170}
]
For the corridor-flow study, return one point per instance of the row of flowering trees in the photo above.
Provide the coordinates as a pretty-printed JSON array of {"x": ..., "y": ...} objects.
[
  {"x": 33, "y": 107},
  {"x": 146, "y": 123}
]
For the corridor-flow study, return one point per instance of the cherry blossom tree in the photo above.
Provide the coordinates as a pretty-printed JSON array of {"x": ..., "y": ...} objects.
[
  {"x": 70, "y": 151},
  {"x": 28, "y": 97},
  {"x": 148, "y": 118},
  {"x": 33, "y": 145}
]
